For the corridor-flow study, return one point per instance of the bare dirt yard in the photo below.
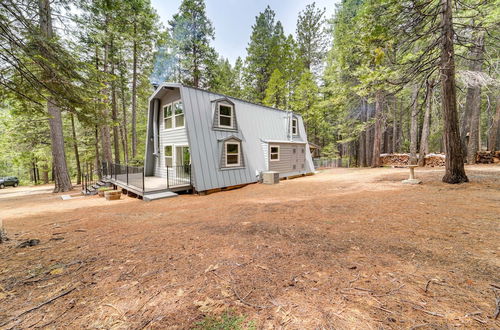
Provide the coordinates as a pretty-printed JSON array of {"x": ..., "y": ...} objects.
[{"x": 343, "y": 249}]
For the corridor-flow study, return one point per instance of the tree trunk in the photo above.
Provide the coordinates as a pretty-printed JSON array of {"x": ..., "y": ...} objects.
[
  {"x": 474, "y": 101},
  {"x": 124, "y": 121},
  {"x": 114, "y": 110},
  {"x": 424, "y": 140},
  {"x": 45, "y": 173},
  {"x": 368, "y": 135},
  {"x": 492, "y": 138},
  {"x": 97, "y": 157},
  {"x": 105, "y": 131},
  {"x": 61, "y": 176},
  {"x": 134, "y": 95},
  {"x": 362, "y": 139},
  {"x": 454, "y": 165},
  {"x": 377, "y": 138},
  {"x": 414, "y": 126},
  {"x": 395, "y": 132},
  {"x": 75, "y": 148}
]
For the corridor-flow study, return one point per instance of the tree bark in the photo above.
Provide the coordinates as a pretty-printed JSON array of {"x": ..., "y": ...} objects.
[
  {"x": 424, "y": 140},
  {"x": 134, "y": 95},
  {"x": 493, "y": 134},
  {"x": 377, "y": 138},
  {"x": 414, "y": 125},
  {"x": 97, "y": 156},
  {"x": 362, "y": 138},
  {"x": 75, "y": 148},
  {"x": 454, "y": 164},
  {"x": 474, "y": 101},
  {"x": 105, "y": 131},
  {"x": 124, "y": 120},
  {"x": 61, "y": 176},
  {"x": 114, "y": 110}
]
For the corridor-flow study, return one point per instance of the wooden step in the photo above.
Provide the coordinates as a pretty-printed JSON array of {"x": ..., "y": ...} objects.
[{"x": 160, "y": 195}]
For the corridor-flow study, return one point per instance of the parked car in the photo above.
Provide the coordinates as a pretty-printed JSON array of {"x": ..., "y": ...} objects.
[{"x": 9, "y": 181}]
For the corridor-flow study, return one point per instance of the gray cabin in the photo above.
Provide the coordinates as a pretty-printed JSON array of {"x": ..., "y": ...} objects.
[{"x": 201, "y": 140}]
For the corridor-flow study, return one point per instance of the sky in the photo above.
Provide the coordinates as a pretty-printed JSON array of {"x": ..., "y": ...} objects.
[{"x": 233, "y": 19}]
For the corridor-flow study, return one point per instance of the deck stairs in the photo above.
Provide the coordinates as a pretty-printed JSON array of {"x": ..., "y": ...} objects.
[{"x": 92, "y": 190}]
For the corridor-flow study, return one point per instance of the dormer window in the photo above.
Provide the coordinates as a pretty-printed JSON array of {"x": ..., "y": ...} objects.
[
  {"x": 226, "y": 115},
  {"x": 295, "y": 126},
  {"x": 224, "y": 112}
]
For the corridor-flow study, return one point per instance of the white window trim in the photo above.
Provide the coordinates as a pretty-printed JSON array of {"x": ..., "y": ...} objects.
[
  {"x": 165, "y": 155},
  {"x": 232, "y": 115},
  {"x": 176, "y": 115},
  {"x": 295, "y": 129},
  {"x": 270, "y": 153},
  {"x": 173, "y": 116},
  {"x": 226, "y": 154}
]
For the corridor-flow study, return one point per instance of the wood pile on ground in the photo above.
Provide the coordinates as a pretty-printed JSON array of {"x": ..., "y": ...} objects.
[
  {"x": 488, "y": 157},
  {"x": 402, "y": 160},
  {"x": 434, "y": 160},
  {"x": 396, "y": 160},
  {"x": 112, "y": 195}
]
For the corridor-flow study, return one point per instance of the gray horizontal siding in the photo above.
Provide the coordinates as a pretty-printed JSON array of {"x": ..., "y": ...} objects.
[{"x": 287, "y": 159}]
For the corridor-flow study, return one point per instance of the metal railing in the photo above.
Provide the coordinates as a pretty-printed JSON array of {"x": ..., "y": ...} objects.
[
  {"x": 89, "y": 178},
  {"x": 130, "y": 175},
  {"x": 178, "y": 175}
]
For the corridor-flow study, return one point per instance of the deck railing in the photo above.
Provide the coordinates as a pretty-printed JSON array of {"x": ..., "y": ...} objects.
[
  {"x": 89, "y": 177},
  {"x": 130, "y": 175},
  {"x": 178, "y": 175}
]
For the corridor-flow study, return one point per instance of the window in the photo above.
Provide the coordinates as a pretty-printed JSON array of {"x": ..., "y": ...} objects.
[
  {"x": 274, "y": 153},
  {"x": 233, "y": 154},
  {"x": 226, "y": 115},
  {"x": 294, "y": 150},
  {"x": 295, "y": 127},
  {"x": 179, "y": 114},
  {"x": 168, "y": 156},
  {"x": 167, "y": 116}
]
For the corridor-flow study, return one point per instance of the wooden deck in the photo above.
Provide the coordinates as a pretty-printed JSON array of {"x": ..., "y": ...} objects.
[{"x": 152, "y": 184}]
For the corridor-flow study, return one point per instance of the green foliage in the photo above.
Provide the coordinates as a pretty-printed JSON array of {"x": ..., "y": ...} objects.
[
  {"x": 227, "y": 321},
  {"x": 191, "y": 32}
]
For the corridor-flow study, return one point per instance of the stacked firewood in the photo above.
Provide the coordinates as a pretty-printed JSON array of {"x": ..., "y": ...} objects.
[
  {"x": 433, "y": 160},
  {"x": 487, "y": 157},
  {"x": 397, "y": 160},
  {"x": 402, "y": 160}
]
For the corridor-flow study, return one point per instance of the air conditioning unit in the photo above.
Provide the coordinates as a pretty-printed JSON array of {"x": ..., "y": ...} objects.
[{"x": 270, "y": 177}]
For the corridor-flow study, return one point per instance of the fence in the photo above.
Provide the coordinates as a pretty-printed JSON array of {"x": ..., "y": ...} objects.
[
  {"x": 130, "y": 175},
  {"x": 89, "y": 178},
  {"x": 178, "y": 175},
  {"x": 330, "y": 162}
]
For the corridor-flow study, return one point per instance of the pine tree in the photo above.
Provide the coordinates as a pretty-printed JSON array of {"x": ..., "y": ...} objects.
[
  {"x": 191, "y": 32},
  {"x": 312, "y": 38}
]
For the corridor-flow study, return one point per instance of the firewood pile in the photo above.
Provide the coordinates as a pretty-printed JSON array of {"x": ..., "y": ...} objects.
[
  {"x": 402, "y": 160},
  {"x": 434, "y": 160},
  {"x": 396, "y": 160},
  {"x": 488, "y": 157}
]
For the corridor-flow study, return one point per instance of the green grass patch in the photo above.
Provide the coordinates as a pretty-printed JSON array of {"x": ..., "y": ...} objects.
[{"x": 226, "y": 321}]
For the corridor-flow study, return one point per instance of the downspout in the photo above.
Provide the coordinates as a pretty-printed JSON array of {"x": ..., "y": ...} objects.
[{"x": 155, "y": 127}]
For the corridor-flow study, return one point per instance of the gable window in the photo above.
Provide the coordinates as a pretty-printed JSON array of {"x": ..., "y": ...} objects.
[
  {"x": 295, "y": 127},
  {"x": 168, "y": 153},
  {"x": 274, "y": 152},
  {"x": 167, "y": 116},
  {"x": 233, "y": 153},
  {"x": 226, "y": 115},
  {"x": 179, "y": 114}
]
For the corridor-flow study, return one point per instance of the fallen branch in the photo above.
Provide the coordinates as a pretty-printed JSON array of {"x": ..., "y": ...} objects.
[
  {"x": 40, "y": 305},
  {"x": 428, "y": 312}
]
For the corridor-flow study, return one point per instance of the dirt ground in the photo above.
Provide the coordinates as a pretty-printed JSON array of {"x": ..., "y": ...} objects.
[{"x": 343, "y": 249}]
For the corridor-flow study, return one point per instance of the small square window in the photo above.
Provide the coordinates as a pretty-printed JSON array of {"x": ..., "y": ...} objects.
[
  {"x": 274, "y": 152},
  {"x": 294, "y": 150}
]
